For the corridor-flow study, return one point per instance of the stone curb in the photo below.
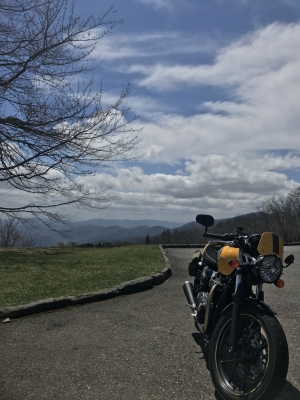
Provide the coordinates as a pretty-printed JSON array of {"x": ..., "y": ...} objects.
[
  {"x": 52, "y": 304},
  {"x": 168, "y": 264}
]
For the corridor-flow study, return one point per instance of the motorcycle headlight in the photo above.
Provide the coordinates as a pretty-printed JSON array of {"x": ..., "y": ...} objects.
[{"x": 270, "y": 268}]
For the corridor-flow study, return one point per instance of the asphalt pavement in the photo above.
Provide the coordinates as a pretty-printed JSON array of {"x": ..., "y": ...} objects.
[{"x": 138, "y": 347}]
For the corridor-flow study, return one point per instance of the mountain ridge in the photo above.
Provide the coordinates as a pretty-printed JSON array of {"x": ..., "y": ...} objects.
[{"x": 86, "y": 232}]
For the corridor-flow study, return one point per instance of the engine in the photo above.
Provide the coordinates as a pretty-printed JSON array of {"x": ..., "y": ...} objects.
[
  {"x": 201, "y": 306},
  {"x": 208, "y": 279}
]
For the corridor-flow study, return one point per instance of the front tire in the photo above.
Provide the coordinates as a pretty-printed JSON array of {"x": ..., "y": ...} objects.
[{"x": 259, "y": 369}]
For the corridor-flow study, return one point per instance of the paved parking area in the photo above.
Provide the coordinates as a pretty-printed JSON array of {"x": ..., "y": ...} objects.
[{"x": 138, "y": 347}]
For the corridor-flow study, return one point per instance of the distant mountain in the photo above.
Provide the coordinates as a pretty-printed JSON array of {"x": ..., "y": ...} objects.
[
  {"x": 192, "y": 232},
  {"x": 134, "y": 231},
  {"x": 190, "y": 226},
  {"x": 111, "y": 234},
  {"x": 194, "y": 225},
  {"x": 127, "y": 223}
]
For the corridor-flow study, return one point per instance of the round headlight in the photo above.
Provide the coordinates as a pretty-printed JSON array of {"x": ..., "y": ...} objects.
[{"x": 270, "y": 268}]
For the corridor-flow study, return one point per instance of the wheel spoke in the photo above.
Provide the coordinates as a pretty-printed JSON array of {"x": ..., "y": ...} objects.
[
  {"x": 228, "y": 361},
  {"x": 232, "y": 373},
  {"x": 244, "y": 381},
  {"x": 261, "y": 348},
  {"x": 254, "y": 332}
]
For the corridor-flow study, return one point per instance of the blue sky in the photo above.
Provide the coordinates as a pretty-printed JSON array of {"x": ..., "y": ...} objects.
[{"x": 216, "y": 85}]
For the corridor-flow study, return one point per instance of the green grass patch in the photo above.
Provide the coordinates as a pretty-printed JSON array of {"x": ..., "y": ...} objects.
[{"x": 33, "y": 274}]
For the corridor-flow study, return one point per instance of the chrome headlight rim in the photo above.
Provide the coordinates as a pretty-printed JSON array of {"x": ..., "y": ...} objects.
[{"x": 269, "y": 268}]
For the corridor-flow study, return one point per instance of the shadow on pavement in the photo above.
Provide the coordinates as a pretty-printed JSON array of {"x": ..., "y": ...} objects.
[
  {"x": 203, "y": 344},
  {"x": 289, "y": 392}
]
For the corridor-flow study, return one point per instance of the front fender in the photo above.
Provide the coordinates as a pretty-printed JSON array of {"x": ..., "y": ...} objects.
[{"x": 260, "y": 305}]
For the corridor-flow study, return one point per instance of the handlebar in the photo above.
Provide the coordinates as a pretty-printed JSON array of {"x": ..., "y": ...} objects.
[{"x": 226, "y": 237}]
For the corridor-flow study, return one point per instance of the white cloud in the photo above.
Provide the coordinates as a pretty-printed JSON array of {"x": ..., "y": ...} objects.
[
  {"x": 170, "y": 138},
  {"x": 291, "y": 3},
  {"x": 148, "y": 107},
  {"x": 256, "y": 54},
  {"x": 156, "y": 44},
  {"x": 224, "y": 185},
  {"x": 159, "y": 4},
  {"x": 264, "y": 69}
]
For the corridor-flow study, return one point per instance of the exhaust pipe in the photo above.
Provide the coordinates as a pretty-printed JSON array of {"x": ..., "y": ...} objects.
[{"x": 188, "y": 291}]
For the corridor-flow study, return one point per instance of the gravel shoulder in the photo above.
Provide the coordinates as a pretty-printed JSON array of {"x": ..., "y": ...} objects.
[{"x": 142, "y": 346}]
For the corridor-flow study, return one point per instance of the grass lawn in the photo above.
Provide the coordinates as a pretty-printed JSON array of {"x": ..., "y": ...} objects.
[{"x": 33, "y": 274}]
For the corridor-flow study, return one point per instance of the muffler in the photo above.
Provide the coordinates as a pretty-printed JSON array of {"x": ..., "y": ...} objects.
[{"x": 188, "y": 291}]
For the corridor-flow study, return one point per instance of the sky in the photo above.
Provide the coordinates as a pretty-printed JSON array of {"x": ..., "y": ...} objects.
[{"x": 216, "y": 86}]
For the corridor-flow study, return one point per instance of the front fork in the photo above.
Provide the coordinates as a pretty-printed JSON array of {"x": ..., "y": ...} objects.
[
  {"x": 259, "y": 292},
  {"x": 236, "y": 309},
  {"x": 237, "y": 299}
]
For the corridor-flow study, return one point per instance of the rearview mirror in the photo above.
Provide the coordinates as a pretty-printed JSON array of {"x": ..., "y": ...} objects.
[
  {"x": 289, "y": 260},
  {"x": 205, "y": 220}
]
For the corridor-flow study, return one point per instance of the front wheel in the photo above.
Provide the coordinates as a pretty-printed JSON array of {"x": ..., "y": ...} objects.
[{"x": 258, "y": 369}]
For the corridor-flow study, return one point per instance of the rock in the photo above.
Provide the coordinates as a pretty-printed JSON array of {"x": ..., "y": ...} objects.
[
  {"x": 135, "y": 286},
  {"x": 6, "y": 320}
]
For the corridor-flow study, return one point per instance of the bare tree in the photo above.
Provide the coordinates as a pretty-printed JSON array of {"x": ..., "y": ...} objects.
[
  {"x": 293, "y": 204},
  {"x": 284, "y": 214},
  {"x": 54, "y": 129},
  {"x": 11, "y": 236}
]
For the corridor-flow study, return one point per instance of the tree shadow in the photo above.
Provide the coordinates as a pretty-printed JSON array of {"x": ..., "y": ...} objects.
[{"x": 289, "y": 391}]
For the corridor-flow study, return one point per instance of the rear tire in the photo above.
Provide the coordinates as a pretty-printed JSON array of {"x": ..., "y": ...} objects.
[{"x": 259, "y": 370}]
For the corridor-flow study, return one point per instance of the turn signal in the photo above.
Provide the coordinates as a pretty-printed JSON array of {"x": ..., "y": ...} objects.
[
  {"x": 280, "y": 283},
  {"x": 234, "y": 263}
]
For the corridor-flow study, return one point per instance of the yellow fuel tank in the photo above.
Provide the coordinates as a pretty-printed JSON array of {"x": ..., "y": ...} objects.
[{"x": 226, "y": 254}]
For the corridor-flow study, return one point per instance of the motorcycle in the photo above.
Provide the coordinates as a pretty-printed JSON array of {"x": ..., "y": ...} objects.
[{"x": 248, "y": 351}]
